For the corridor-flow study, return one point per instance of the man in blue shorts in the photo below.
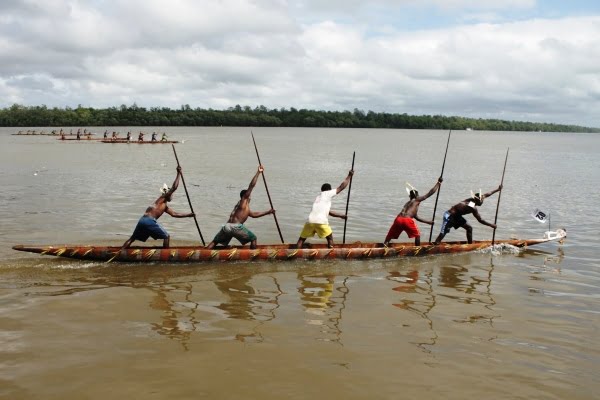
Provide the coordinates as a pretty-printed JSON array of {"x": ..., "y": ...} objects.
[
  {"x": 453, "y": 218},
  {"x": 147, "y": 226},
  {"x": 234, "y": 228}
]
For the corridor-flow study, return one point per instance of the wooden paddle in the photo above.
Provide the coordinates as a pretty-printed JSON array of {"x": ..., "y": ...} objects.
[
  {"x": 348, "y": 199},
  {"x": 437, "y": 196},
  {"x": 267, "y": 189},
  {"x": 188, "y": 197},
  {"x": 498, "y": 205}
]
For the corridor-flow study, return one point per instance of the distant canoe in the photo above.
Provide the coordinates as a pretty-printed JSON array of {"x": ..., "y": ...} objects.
[
  {"x": 50, "y": 134},
  {"x": 82, "y": 139},
  {"x": 137, "y": 141},
  {"x": 274, "y": 252}
]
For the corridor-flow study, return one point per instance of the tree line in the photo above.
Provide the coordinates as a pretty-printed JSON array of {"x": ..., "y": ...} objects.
[{"x": 42, "y": 116}]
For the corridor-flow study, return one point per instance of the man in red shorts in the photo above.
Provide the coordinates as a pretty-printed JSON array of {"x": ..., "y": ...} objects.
[{"x": 405, "y": 221}]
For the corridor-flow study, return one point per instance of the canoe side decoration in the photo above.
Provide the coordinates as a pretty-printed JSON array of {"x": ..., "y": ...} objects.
[{"x": 276, "y": 252}]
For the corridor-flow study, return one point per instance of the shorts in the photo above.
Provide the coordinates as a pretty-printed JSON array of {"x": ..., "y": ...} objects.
[
  {"x": 309, "y": 230},
  {"x": 238, "y": 231},
  {"x": 452, "y": 221},
  {"x": 148, "y": 227},
  {"x": 403, "y": 224}
]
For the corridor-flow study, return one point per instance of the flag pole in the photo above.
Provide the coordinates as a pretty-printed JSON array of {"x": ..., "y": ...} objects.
[{"x": 499, "y": 194}]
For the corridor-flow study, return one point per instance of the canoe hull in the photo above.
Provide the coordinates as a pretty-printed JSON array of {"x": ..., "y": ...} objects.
[{"x": 199, "y": 254}]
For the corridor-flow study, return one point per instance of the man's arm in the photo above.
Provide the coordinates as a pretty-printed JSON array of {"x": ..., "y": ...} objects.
[
  {"x": 345, "y": 183},
  {"x": 178, "y": 215},
  {"x": 423, "y": 220},
  {"x": 261, "y": 214},
  {"x": 176, "y": 181},
  {"x": 431, "y": 192},
  {"x": 253, "y": 181},
  {"x": 499, "y": 188},
  {"x": 481, "y": 221},
  {"x": 338, "y": 215}
]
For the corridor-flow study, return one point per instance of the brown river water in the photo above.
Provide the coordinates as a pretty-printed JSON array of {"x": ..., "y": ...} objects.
[{"x": 508, "y": 325}]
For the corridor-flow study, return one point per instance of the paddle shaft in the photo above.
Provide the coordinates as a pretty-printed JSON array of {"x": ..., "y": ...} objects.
[
  {"x": 267, "y": 189},
  {"x": 348, "y": 199},
  {"x": 437, "y": 196},
  {"x": 188, "y": 197},
  {"x": 499, "y": 194}
]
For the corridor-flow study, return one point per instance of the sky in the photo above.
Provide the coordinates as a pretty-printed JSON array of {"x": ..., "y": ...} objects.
[{"x": 525, "y": 60}]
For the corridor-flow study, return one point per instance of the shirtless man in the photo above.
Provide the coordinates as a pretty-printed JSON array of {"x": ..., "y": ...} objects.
[
  {"x": 405, "y": 221},
  {"x": 234, "y": 228},
  {"x": 453, "y": 218},
  {"x": 317, "y": 222},
  {"x": 147, "y": 225},
  {"x": 141, "y": 137}
]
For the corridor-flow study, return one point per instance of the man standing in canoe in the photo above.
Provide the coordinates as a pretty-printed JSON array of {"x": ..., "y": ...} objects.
[
  {"x": 405, "y": 221},
  {"x": 234, "y": 228},
  {"x": 147, "y": 225},
  {"x": 317, "y": 222},
  {"x": 453, "y": 218}
]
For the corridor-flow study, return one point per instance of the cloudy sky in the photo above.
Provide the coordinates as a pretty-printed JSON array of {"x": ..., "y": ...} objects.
[{"x": 533, "y": 60}]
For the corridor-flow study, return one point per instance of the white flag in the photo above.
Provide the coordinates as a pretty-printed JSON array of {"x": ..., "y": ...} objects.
[{"x": 539, "y": 215}]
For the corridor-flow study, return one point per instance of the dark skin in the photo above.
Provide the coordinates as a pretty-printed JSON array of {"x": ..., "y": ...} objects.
[
  {"x": 241, "y": 211},
  {"x": 159, "y": 207},
  {"x": 411, "y": 208},
  {"x": 329, "y": 238},
  {"x": 463, "y": 208}
]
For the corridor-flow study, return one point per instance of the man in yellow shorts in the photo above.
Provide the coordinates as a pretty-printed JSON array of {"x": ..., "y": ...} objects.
[{"x": 317, "y": 222}]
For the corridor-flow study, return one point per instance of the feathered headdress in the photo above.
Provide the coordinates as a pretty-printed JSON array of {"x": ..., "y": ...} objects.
[{"x": 410, "y": 188}]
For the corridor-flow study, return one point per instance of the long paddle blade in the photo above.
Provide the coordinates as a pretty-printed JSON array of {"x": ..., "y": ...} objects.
[
  {"x": 437, "y": 196},
  {"x": 348, "y": 199},
  {"x": 499, "y": 194},
  {"x": 188, "y": 197},
  {"x": 267, "y": 188}
]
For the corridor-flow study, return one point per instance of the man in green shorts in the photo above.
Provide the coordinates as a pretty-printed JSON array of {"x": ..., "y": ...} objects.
[{"x": 234, "y": 228}]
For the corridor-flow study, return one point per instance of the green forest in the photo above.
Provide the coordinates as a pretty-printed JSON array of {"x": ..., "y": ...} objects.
[{"x": 42, "y": 116}]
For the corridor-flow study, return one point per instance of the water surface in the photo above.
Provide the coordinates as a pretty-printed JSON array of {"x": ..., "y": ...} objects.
[{"x": 512, "y": 325}]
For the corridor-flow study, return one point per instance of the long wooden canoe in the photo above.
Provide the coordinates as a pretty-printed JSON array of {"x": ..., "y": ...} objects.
[
  {"x": 132, "y": 141},
  {"x": 275, "y": 252}
]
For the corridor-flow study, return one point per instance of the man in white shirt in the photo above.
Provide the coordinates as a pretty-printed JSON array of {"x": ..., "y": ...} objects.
[{"x": 317, "y": 219}]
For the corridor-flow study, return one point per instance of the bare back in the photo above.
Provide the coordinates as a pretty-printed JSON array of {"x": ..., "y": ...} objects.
[
  {"x": 240, "y": 212},
  {"x": 463, "y": 208},
  {"x": 410, "y": 209},
  {"x": 158, "y": 208}
]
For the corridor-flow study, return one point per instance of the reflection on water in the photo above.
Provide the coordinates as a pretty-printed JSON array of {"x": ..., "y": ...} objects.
[
  {"x": 244, "y": 302},
  {"x": 417, "y": 297},
  {"x": 324, "y": 300},
  {"x": 177, "y": 316}
]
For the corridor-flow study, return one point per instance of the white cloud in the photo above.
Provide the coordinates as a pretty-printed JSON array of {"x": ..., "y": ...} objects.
[{"x": 222, "y": 53}]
